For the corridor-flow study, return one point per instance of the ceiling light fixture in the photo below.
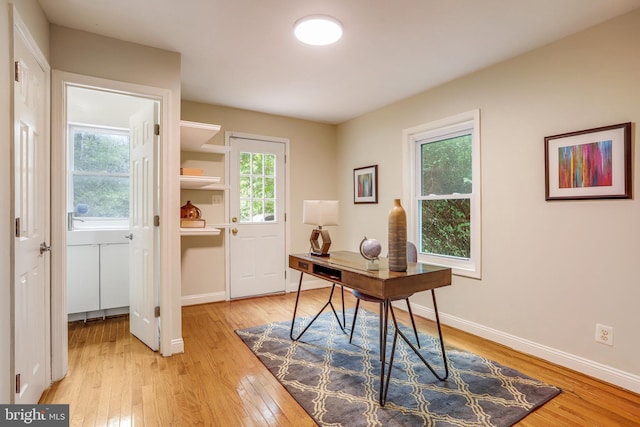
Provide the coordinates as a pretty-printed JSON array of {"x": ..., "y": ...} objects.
[{"x": 318, "y": 30}]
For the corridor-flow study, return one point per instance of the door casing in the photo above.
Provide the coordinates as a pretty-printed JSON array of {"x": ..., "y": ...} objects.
[{"x": 59, "y": 338}]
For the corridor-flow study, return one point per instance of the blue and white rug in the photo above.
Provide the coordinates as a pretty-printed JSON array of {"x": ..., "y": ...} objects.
[{"x": 337, "y": 382}]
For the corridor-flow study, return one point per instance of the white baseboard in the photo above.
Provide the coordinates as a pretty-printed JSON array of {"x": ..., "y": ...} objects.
[
  {"x": 597, "y": 370},
  {"x": 202, "y": 298},
  {"x": 177, "y": 346}
]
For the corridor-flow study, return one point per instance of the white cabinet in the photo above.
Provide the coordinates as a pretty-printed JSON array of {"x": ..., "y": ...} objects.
[
  {"x": 114, "y": 275},
  {"x": 83, "y": 278},
  {"x": 97, "y": 277}
]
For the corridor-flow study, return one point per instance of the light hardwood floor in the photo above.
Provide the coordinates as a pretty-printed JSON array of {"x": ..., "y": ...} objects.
[{"x": 114, "y": 380}]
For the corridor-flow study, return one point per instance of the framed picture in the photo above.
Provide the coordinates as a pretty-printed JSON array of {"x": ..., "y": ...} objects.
[
  {"x": 589, "y": 164},
  {"x": 365, "y": 184}
]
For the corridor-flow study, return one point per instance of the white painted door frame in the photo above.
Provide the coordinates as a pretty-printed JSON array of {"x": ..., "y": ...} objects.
[{"x": 59, "y": 338}]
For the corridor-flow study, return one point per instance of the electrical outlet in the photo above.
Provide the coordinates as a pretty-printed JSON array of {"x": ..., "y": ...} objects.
[{"x": 604, "y": 334}]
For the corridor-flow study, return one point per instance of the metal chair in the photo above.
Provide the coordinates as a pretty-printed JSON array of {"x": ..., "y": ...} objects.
[{"x": 412, "y": 256}]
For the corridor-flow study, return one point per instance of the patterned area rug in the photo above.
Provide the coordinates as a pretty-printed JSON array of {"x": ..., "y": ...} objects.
[{"x": 337, "y": 382}]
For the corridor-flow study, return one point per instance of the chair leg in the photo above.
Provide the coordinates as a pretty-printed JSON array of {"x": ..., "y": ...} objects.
[
  {"x": 355, "y": 315},
  {"x": 413, "y": 322}
]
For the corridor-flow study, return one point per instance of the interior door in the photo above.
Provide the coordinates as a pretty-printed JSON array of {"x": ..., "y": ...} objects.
[
  {"x": 257, "y": 259},
  {"x": 31, "y": 209},
  {"x": 143, "y": 233}
]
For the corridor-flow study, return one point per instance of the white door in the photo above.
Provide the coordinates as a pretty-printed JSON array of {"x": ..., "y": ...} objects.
[
  {"x": 143, "y": 232},
  {"x": 31, "y": 276},
  {"x": 257, "y": 260}
]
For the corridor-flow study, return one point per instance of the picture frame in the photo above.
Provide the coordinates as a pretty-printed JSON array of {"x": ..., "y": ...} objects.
[
  {"x": 589, "y": 164},
  {"x": 365, "y": 184}
]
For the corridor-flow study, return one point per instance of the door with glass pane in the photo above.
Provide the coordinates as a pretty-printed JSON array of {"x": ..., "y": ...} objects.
[{"x": 257, "y": 259}]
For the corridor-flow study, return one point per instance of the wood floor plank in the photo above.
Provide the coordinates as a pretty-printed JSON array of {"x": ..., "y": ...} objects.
[{"x": 115, "y": 380}]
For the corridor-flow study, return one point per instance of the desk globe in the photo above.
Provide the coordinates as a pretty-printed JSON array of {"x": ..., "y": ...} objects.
[{"x": 370, "y": 249}]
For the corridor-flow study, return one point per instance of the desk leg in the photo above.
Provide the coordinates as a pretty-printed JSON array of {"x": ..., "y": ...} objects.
[
  {"x": 295, "y": 309},
  {"x": 384, "y": 324},
  {"x": 344, "y": 316},
  {"x": 328, "y": 303},
  {"x": 398, "y": 332}
]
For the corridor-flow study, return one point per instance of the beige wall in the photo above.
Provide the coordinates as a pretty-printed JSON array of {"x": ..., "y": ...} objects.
[
  {"x": 34, "y": 19},
  {"x": 551, "y": 270},
  {"x": 312, "y": 176},
  {"x": 96, "y": 56}
]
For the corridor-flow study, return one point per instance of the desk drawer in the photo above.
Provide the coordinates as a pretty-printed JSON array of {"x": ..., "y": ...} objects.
[
  {"x": 300, "y": 265},
  {"x": 318, "y": 270}
]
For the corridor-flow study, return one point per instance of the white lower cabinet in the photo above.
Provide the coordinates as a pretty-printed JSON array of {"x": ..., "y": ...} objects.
[
  {"x": 114, "y": 276},
  {"x": 83, "y": 278},
  {"x": 97, "y": 277}
]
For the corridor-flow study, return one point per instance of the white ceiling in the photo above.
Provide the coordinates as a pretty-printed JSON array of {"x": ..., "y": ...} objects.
[{"x": 242, "y": 53}]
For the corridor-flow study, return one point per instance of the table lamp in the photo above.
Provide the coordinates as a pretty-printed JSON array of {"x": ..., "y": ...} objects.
[{"x": 320, "y": 213}]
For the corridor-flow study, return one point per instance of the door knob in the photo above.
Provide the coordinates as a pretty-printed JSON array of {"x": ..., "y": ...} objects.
[
  {"x": 234, "y": 231},
  {"x": 129, "y": 236},
  {"x": 44, "y": 248},
  {"x": 234, "y": 219}
]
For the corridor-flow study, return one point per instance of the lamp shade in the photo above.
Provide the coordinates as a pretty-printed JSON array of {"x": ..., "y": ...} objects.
[{"x": 320, "y": 212}]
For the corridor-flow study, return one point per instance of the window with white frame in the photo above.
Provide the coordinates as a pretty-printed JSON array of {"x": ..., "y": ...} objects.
[
  {"x": 98, "y": 177},
  {"x": 444, "y": 214}
]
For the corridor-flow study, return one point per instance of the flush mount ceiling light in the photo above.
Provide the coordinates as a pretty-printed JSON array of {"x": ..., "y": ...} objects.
[{"x": 318, "y": 30}]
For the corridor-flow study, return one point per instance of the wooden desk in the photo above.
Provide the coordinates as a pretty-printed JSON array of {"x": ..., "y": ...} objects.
[{"x": 349, "y": 269}]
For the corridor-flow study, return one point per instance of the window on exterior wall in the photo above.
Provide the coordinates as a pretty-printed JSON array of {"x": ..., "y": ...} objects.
[
  {"x": 99, "y": 177},
  {"x": 444, "y": 217}
]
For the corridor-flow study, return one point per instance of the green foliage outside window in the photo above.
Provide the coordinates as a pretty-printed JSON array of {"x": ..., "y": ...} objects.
[
  {"x": 445, "y": 210},
  {"x": 101, "y": 172},
  {"x": 257, "y": 187},
  {"x": 105, "y": 196},
  {"x": 446, "y": 227}
]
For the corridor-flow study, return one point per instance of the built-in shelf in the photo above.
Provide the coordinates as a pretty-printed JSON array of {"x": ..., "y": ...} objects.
[
  {"x": 206, "y": 231},
  {"x": 202, "y": 150},
  {"x": 197, "y": 137},
  {"x": 189, "y": 182}
]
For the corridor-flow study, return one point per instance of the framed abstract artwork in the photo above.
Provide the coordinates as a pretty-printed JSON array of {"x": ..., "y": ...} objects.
[
  {"x": 365, "y": 184},
  {"x": 589, "y": 164}
]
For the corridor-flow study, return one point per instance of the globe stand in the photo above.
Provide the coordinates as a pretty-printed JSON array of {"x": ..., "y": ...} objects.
[{"x": 372, "y": 265}]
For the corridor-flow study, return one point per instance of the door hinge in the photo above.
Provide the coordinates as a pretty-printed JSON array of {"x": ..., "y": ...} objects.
[
  {"x": 17, "y": 383},
  {"x": 17, "y": 227},
  {"x": 156, "y": 220},
  {"x": 156, "y": 311},
  {"x": 17, "y": 71},
  {"x": 156, "y": 129}
]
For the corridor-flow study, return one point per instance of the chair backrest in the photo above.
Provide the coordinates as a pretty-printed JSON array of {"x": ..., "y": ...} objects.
[{"x": 412, "y": 252}]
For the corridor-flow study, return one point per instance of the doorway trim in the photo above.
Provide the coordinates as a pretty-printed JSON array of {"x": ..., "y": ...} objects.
[{"x": 59, "y": 337}]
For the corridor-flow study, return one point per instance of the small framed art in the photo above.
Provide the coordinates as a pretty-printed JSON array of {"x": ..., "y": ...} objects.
[
  {"x": 589, "y": 164},
  {"x": 365, "y": 184}
]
